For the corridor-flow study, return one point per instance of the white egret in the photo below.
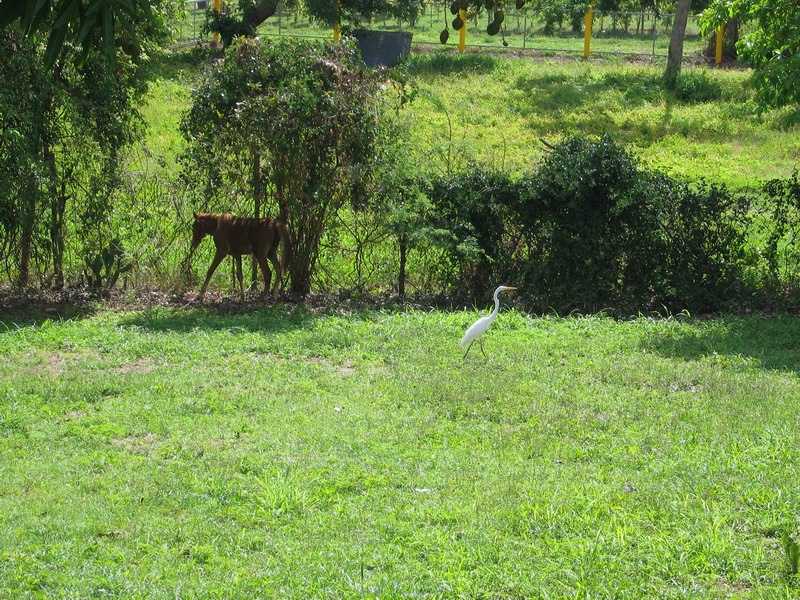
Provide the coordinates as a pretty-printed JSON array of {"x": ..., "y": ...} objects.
[{"x": 481, "y": 325}]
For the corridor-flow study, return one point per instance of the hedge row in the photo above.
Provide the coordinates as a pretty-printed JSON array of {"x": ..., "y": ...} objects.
[{"x": 589, "y": 229}]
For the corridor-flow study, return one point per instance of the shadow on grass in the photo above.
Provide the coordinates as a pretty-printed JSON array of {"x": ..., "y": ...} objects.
[
  {"x": 770, "y": 342},
  {"x": 185, "y": 64},
  {"x": 447, "y": 63},
  {"x": 269, "y": 319},
  {"x": 636, "y": 108},
  {"x": 26, "y": 308},
  {"x": 154, "y": 311}
]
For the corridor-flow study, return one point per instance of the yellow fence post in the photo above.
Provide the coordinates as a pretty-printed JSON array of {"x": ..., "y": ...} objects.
[
  {"x": 337, "y": 28},
  {"x": 217, "y": 8},
  {"x": 720, "y": 39},
  {"x": 462, "y": 33},
  {"x": 587, "y": 36}
]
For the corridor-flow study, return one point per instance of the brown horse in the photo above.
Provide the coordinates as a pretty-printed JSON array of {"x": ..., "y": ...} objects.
[{"x": 241, "y": 235}]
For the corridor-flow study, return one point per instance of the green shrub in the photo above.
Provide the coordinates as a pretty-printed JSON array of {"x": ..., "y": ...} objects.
[
  {"x": 472, "y": 214},
  {"x": 591, "y": 234},
  {"x": 781, "y": 253},
  {"x": 704, "y": 229},
  {"x": 601, "y": 232}
]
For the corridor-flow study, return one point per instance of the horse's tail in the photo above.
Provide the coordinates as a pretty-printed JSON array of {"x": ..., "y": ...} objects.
[{"x": 286, "y": 239}]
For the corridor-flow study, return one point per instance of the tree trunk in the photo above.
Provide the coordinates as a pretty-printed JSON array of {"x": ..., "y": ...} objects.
[
  {"x": 401, "y": 280},
  {"x": 258, "y": 193},
  {"x": 58, "y": 206},
  {"x": 260, "y": 12},
  {"x": 731, "y": 37},
  {"x": 57, "y": 210},
  {"x": 675, "y": 54},
  {"x": 26, "y": 239}
]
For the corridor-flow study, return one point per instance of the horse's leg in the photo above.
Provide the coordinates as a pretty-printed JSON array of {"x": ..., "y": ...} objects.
[
  {"x": 262, "y": 262},
  {"x": 214, "y": 264},
  {"x": 276, "y": 264},
  {"x": 238, "y": 260}
]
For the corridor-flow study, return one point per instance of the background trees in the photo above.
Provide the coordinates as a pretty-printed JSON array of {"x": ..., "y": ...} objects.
[
  {"x": 71, "y": 77},
  {"x": 102, "y": 25}
]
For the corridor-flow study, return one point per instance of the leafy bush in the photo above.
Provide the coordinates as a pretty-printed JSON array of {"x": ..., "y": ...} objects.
[
  {"x": 591, "y": 234},
  {"x": 104, "y": 267},
  {"x": 704, "y": 228},
  {"x": 297, "y": 117},
  {"x": 472, "y": 214},
  {"x": 780, "y": 252},
  {"x": 587, "y": 230},
  {"x": 601, "y": 232}
]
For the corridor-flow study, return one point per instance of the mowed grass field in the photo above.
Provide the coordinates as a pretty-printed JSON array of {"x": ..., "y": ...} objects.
[{"x": 287, "y": 453}]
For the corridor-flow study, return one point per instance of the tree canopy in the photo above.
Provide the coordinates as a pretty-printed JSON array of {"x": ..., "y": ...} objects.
[{"x": 103, "y": 25}]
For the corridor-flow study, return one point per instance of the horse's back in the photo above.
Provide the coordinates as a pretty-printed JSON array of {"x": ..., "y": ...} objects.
[{"x": 246, "y": 235}]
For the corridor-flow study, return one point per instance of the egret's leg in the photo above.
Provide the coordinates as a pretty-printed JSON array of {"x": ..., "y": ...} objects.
[
  {"x": 480, "y": 341},
  {"x": 468, "y": 347}
]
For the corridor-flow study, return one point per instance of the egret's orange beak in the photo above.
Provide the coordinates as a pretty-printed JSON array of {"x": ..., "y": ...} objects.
[{"x": 511, "y": 289}]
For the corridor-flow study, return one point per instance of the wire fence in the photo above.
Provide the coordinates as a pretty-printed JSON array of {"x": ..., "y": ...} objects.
[{"x": 620, "y": 33}]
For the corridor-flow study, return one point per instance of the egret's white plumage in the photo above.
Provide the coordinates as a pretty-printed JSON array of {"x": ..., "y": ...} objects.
[{"x": 480, "y": 326}]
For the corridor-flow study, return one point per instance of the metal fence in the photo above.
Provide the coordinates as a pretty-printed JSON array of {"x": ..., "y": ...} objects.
[{"x": 620, "y": 33}]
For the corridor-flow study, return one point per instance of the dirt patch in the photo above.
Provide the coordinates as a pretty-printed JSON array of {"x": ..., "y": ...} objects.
[
  {"x": 142, "y": 365},
  {"x": 56, "y": 364},
  {"x": 734, "y": 588},
  {"x": 144, "y": 445}
]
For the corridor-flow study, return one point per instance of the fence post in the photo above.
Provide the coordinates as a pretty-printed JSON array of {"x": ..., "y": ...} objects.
[
  {"x": 462, "y": 33},
  {"x": 720, "y": 39},
  {"x": 525, "y": 31},
  {"x": 587, "y": 36},
  {"x": 217, "y": 8}
]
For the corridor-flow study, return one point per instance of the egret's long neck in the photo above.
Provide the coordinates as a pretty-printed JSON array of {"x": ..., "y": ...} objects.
[{"x": 496, "y": 304}]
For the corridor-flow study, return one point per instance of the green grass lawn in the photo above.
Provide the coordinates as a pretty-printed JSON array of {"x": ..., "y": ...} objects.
[
  {"x": 491, "y": 109},
  {"x": 286, "y": 453}
]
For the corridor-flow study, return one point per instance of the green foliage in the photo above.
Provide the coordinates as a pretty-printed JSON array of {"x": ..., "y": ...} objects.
[
  {"x": 591, "y": 224},
  {"x": 68, "y": 127},
  {"x": 773, "y": 49},
  {"x": 471, "y": 213},
  {"x": 360, "y": 11},
  {"x": 555, "y": 13},
  {"x": 227, "y": 24},
  {"x": 604, "y": 232},
  {"x": 101, "y": 26},
  {"x": 589, "y": 229},
  {"x": 704, "y": 228},
  {"x": 781, "y": 252},
  {"x": 792, "y": 549},
  {"x": 104, "y": 268},
  {"x": 300, "y": 116},
  {"x": 241, "y": 21}
]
